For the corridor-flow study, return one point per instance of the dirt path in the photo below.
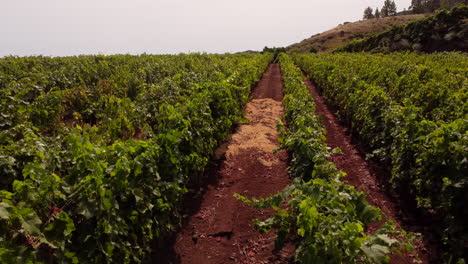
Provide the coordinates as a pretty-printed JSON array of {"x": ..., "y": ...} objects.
[
  {"x": 363, "y": 175},
  {"x": 271, "y": 85},
  {"x": 221, "y": 230}
]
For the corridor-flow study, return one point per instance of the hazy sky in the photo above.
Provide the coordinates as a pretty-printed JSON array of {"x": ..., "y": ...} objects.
[{"x": 71, "y": 27}]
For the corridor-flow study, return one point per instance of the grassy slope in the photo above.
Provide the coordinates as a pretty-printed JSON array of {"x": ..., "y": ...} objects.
[{"x": 330, "y": 40}]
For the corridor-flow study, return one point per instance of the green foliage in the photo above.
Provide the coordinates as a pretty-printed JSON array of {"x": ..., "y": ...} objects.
[
  {"x": 377, "y": 13},
  {"x": 313, "y": 50},
  {"x": 275, "y": 51},
  {"x": 368, "y": 13},
  {"x": 389, "y": 8},
  {"x": 411, "y": 111},
  {"x": 95, "y": 161},
  {"x": 428, "y": 6}
]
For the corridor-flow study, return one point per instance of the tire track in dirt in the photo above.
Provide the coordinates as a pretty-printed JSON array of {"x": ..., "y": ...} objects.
[
  {"x": 221, "y": 230},
  {"x": 364, "y": 176}
]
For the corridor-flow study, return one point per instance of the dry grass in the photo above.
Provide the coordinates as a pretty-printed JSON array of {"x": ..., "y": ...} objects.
[{"x": 330, "y": 40}]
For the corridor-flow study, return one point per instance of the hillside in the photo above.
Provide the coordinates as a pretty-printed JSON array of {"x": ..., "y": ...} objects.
[
  {"x": 444, "y": 31},
  {"x": 330, "y": 40}
]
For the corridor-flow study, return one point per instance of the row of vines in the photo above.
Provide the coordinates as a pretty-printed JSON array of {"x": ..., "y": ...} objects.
[
  {"x": 96, "y": 152},
  {"x": 411, "y": 112},
  {"x": 331, "y": 218}
]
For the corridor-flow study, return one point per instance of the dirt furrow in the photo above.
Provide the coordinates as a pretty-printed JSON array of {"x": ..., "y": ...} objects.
[
  {"x": 221, "y": 229},
  {"x": 365, "y": 177}
]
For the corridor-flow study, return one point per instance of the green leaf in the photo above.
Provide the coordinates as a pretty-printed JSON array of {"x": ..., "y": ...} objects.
[
  {"x": 377, "y": 253},
  {"x": 4, "y": 214},
  {"x": 30, "y": 222}
]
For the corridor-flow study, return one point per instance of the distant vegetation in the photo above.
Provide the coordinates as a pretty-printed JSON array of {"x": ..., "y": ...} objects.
[
  {"x": 417, "y": 7},
  {"x": 389, "y": 9},
  {"x": 445, "y": 31},
  {"x": 428, "y": 6},
  {"x": 274, "y": 50}
]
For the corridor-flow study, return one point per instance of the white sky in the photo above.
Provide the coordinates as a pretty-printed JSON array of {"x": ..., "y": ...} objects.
[{"x": 72, "y": 27}]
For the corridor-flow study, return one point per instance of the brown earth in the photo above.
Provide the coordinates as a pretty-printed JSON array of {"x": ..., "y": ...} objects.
[
  {"x": 271, "y": 85},
  {"x": 367, "y": 177},
  {"x": 221, "y": 230}
]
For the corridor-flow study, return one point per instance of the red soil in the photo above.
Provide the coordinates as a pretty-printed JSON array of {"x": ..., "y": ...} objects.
[
  {"x": 365, "y": 176},
  {"x": 220, "y": 229},
  {"x": 271, "y": 85}
]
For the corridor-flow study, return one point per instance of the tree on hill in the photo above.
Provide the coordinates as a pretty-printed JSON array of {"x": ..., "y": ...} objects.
[
  {"x": 417, "y": 6},
  {"x": 445, "y": 4},
  {"x": 377, "y": 13},
  {"x": 389, "y": 8},
  {"x": 393, "y": 9},
  {"x": 368, "y": 13},
  {"x": 432, "y": 5}
]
